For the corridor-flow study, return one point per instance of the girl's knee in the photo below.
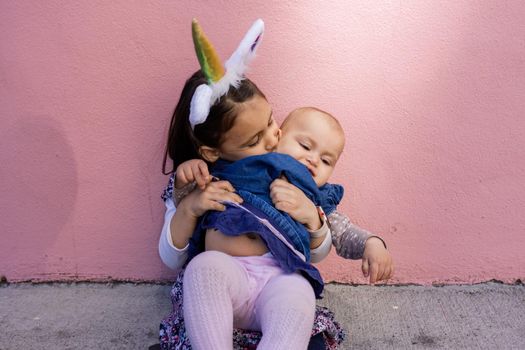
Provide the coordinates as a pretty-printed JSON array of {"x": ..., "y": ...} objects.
[
  {"x": 208, "y": 260},
  {"x": 293, "y": 284},
  {"x": 209, "y": 266},
  {"x": 290, "y": 290}
]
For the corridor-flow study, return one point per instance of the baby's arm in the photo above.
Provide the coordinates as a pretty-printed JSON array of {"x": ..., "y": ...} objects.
[
  {"x": 353, "y": 242},
  {"x": 291, "y": 200},
  {"x": 348, "y": 239}
]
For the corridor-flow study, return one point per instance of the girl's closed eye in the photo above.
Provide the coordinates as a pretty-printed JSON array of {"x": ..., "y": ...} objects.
[
  {"x": 305, "y": 146},
  {"x": 255, "y": 142}
]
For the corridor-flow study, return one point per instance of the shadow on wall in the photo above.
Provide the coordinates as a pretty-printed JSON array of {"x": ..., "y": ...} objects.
[{"x": 39, "y": 188}]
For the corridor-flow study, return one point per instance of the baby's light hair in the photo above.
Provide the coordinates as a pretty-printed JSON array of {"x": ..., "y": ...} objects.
[{"x": 296, "y": 112}]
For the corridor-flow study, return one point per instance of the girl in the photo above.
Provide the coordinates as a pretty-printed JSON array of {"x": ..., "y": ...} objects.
[
  {"x": 234, "y": 281},
  {"x": 247, "y": 128}
]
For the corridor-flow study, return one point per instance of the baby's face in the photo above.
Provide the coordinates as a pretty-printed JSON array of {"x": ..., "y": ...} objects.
[{"x": 315, "y": 141}]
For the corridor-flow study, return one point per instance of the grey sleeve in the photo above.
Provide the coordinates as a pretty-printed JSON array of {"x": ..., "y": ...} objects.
[{"x": 348, "y": 239}]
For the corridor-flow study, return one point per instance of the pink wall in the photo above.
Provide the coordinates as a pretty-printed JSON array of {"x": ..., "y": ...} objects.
[{"x": 431, "y": 97}]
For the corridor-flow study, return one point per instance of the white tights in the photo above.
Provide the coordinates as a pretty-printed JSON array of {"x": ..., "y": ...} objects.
[{"x": 222, "y": 292}]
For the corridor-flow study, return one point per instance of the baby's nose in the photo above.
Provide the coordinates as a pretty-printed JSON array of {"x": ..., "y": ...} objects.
[{"x": 313, "y": 160}]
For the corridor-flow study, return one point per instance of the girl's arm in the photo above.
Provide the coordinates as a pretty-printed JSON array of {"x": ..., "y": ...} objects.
[
  {"x": 180, "y": 222},
  {"x": 170, "y": 255}
]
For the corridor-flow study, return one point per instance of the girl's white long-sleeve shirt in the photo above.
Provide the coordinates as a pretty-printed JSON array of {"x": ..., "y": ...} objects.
[{"x": 170, "y": 255}]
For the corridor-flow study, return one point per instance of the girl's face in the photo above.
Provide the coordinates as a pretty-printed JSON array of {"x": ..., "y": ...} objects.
[{"x": 254, "y": 131}]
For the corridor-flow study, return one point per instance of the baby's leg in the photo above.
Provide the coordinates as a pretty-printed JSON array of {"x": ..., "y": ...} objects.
[
  {"x": 214, "y": 285},
  {"x": 285, "y": 309}
]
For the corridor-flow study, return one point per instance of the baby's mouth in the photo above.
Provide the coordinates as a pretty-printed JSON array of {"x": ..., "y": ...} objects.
[{"x": 311, "y": 171}]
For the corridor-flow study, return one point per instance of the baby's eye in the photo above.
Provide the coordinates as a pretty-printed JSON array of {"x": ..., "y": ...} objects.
[
  {"x": 326, "y": 161},
  {"x": 305, "y": 146}
]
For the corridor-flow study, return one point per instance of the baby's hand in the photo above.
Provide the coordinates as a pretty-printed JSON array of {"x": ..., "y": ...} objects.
[
  {"x": 377, "y": 262},
  {"x": 192, "y": 170},
  {"x": 291, "y": 200}
]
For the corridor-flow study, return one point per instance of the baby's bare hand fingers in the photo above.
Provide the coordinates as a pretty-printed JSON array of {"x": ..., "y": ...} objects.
[
  {"x": 389, "y": 268},
  {"x": 280, "y": 192},
  {"x": 279, "y": 183},
  {"x": 391, "y": 272},
  {"x": 274, "y": 191},
  {"x": 373, "y": 273},
  {"x": 283, "y": 206},
  {"x": 278, "y": 196},
  {"x": 386, "y": 274},
  {"x": 381, "y": 274}
]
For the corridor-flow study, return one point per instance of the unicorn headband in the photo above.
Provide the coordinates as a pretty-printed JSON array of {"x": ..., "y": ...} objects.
[{"x": 220, "y": 78}]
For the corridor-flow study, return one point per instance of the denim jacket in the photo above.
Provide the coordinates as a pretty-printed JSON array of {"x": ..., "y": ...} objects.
[{"x": 251, "y": 177}]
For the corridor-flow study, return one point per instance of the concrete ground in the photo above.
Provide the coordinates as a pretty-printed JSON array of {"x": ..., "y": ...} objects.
[{"x": 126, "y": 316}]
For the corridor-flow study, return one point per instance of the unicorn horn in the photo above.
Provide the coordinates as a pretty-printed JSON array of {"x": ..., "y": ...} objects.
[{"x": 210, "y": 62}]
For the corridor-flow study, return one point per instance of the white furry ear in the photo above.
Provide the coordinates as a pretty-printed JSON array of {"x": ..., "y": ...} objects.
[
  {"x": 238, "y": 62},
  {"x": 206, "y": 95},
  {"x": 200, "y": 105}
]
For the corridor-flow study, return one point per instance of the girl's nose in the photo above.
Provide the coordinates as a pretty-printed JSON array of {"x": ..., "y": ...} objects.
[{"x": 272, "y": 139}]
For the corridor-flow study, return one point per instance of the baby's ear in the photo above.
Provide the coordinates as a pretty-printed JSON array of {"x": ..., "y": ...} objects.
[{"x": 209, "y": 154}]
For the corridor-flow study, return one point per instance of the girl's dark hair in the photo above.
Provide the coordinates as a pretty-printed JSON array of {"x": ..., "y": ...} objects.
[{"x": 183, "y": 142}]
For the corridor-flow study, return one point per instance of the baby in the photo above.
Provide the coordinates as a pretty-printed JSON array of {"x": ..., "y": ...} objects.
[{"x": 315, "y": 139}]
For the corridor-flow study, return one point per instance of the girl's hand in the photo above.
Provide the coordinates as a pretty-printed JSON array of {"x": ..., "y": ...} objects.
[
  {"x": 377, "y": 262},
  {"x": 192, "y": 170},
  {"x": 200, "y": 200},
  {"x": 291, "y": 200},
  {"x": 195, "y": 205}
]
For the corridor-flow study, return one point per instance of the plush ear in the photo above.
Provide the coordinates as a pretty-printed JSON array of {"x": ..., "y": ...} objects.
[{"x": 209, "y": 154}]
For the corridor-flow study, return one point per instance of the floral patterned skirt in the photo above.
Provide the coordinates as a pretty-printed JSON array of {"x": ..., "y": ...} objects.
[{"x": 173, "y": 333}]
